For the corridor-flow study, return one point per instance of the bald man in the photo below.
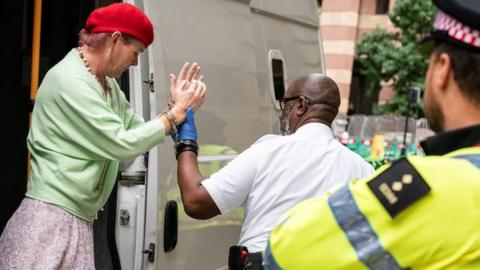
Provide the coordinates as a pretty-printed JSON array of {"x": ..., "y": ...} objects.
[{"x": 276, "y": 172}]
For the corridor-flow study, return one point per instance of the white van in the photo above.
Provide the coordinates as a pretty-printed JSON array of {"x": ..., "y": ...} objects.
[{"x": 249, "y": 51}]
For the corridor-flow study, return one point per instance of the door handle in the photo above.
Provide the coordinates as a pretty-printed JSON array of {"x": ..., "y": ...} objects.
[{"x": 170, "y": 229}]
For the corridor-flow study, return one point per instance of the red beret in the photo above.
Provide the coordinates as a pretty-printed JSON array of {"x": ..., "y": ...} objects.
[{"x": 122, "y": 17}]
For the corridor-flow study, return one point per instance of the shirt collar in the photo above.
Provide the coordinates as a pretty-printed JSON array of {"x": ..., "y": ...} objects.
[
  {"x": 447, "y": 142},
  {"x": 315, "y": 128}
]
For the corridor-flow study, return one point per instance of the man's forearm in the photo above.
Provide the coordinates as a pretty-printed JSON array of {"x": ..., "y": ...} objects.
[
  {"x": 196, "y": 199},
  {"x": 189, "y": 177}
]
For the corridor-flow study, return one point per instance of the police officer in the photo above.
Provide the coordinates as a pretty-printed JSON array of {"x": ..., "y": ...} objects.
[{"x": 419, "y": 212}]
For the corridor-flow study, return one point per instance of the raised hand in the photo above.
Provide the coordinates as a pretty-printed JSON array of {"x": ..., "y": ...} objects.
[
  {"x": 192, "y": 97},
  {"x": 202, "y": 96},
  {"x": 185, "y": 77}
]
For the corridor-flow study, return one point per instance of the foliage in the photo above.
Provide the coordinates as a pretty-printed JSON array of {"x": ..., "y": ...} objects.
[{"x": 391, "y": 58}]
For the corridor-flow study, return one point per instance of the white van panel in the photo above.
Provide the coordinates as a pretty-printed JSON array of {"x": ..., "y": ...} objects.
[
  {"x": 231, "y": 40},
  {"x": 218, "y": 35},
  {"x": 305, "y": 11}
]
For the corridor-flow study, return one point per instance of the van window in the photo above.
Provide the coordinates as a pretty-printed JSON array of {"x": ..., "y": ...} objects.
[{"x": 278, "y": 78}]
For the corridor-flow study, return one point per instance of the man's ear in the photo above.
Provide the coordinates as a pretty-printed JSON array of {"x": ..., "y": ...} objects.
[
  {"x": 300, "y": 107},
  {"x": 442, "y": 71}
]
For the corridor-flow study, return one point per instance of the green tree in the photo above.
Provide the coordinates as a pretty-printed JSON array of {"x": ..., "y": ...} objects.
[{"x": 392, "y": 58}]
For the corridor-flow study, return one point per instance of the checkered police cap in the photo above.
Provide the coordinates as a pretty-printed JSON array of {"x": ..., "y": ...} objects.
[{"x": 457, "y": 22}]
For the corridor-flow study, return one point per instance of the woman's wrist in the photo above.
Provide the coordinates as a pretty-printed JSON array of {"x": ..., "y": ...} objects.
[{"x": 179, "y": 114}]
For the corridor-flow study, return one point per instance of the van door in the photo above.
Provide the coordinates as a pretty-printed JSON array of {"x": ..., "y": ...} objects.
[
  {"x": 218, "y": 35},
  {"x": 245, "y": 48}
]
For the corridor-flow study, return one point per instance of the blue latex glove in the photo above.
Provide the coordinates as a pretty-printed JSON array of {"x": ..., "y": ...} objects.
[{"x": 187, "y": 130}]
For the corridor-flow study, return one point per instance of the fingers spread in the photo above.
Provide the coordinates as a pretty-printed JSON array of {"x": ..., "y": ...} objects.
[
  {"x": 173, "y": 85},
  {"x": 203, "y": 94},
  {"x": 204, "y": 91},
  {"x": 193, "y": 87},
  {"x": 192, "y": 72},
  {"x": 183, "y": 72},
  {"x": 180, "y": 85},
  {"x": 173, "y": 80},
  {"x": 200, "y": 90},
  {"x": 198, "y": 74}
]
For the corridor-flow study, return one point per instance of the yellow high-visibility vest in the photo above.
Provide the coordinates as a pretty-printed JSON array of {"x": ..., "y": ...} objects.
[{"x": 418, "y": 213}]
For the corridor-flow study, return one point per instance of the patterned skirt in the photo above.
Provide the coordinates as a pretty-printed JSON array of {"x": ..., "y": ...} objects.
[{"x": 44, "y": 236}]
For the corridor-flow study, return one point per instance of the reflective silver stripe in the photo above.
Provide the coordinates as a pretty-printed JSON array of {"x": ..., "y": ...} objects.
[
  {"x": 474, "y": 159},
  {"x": 359, "y": 232},
  {"x": 269, "y": 261}
]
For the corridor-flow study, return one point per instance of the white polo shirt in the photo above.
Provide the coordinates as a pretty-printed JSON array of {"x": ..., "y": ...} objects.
[{"x": 277, "y": 172}]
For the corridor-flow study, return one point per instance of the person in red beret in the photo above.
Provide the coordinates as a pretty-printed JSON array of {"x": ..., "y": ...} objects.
[{"x": 82, "y": 127}]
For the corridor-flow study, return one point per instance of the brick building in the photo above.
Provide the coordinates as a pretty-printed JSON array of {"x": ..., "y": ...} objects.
[{"x": 343, "y": 23}]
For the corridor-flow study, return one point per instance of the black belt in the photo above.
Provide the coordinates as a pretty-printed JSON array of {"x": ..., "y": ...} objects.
[{"x": 240, "y": 259}]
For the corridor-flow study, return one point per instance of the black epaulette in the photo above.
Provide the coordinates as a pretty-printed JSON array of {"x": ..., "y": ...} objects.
[{"x": 398, "y": 187}]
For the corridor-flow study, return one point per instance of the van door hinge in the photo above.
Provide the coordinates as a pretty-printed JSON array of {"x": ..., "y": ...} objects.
[
  {"x": 150, "y": 251},
  {"x": 124, "y": 217},
  {"x": 150, "y": 83}
]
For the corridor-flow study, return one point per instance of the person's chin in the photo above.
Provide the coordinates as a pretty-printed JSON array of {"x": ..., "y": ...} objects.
[
  {"x": 118, "y": 74},
  {"x": 121, "y": 72}
]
